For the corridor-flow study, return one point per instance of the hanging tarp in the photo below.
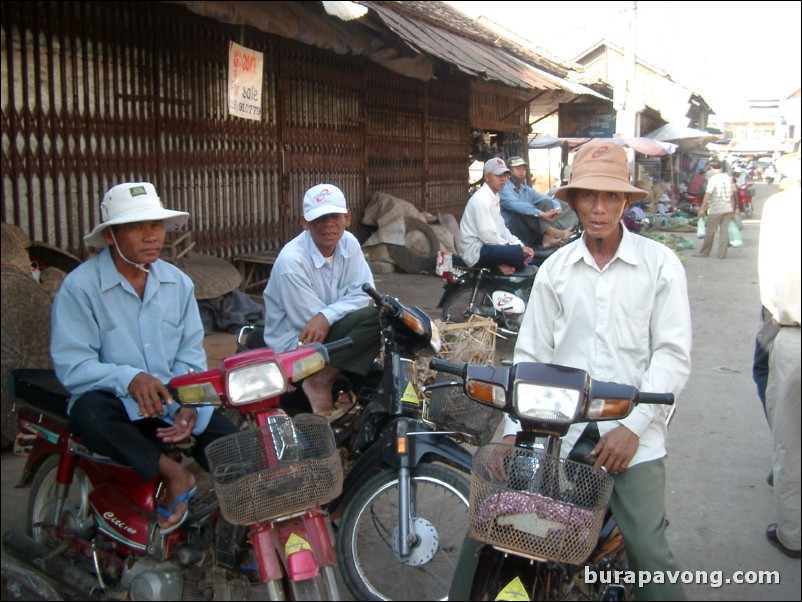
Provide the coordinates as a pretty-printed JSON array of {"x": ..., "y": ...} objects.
[{"x": 640, "y": 144}]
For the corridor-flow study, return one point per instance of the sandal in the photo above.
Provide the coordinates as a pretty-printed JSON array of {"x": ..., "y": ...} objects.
[{"x": 168, "y": 512}]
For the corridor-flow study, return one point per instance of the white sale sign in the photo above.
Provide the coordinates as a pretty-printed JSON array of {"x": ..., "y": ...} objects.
[{"x": 244, "y": 82}]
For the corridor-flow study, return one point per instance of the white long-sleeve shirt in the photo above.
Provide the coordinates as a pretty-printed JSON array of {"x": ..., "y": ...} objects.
[
  {"x": 778, "y": 256},
  {"x": 629, "y": 322},
  {"x": 302, "y": 283},
  {"x": 482, "y": 224}
]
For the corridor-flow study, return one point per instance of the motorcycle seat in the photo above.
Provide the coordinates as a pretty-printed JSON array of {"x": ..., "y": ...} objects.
[
  {"x": 529, "y": 270},
  {"x": 39, "y": 389}
]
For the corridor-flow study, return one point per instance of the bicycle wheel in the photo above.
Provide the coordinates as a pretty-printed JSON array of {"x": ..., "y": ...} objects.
[
  {"x": 366, "y": 543},
  {"x": 458, "y": 306}
]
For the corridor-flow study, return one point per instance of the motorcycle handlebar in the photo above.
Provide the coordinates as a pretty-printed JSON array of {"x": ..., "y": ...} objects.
[
  {"x": 372, "y": 292},
  {"x": 344, "y": 343},
  {"x": 444, "y": 366},
  {"x": 664, "y": 398}
]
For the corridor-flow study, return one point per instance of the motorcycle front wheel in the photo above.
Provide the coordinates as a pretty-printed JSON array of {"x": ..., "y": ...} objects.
[
  {"x": 457, "y": 308},
  {"x": 366, "y": 542},
  {"x": 748, "y": 210},
  {"x": 75, "y": 514}
]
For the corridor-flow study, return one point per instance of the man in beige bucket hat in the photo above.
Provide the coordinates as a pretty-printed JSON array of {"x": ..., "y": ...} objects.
[
  {"x": 123, "y": 323},
  {"x": 616, "y": 305}
]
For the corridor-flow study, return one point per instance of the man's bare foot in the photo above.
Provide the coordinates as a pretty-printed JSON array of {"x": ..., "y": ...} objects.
[
  {"x": 505, "y": 269},
  {"x": 179, "y": 484}
]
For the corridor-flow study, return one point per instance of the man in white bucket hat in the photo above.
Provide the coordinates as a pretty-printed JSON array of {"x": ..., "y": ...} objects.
[{"x": 123, "y": 323}]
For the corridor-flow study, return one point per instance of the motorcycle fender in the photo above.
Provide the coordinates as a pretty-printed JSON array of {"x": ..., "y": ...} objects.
[
  {"x": 265, "y": 544},
  {"x": 425, "y": 447},
  {"x": 375, "y": 458},
  {"x": 453, "y": 289},
  {"x": 431, "y": 447}
]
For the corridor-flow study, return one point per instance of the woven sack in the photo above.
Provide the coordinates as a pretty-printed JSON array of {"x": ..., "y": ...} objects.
[{"x": 25, "y": 335}]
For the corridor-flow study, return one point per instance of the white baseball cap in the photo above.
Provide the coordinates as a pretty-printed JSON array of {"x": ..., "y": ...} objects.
[
  {"x": 323, "y": 199},
  {"x": 133, "y": 202},
  {"x": 496, "y": 166}
]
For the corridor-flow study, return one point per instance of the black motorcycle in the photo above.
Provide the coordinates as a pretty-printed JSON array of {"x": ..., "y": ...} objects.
[
  {"x": 539, "y": 524},
  {"x": 488, "y": 293}
]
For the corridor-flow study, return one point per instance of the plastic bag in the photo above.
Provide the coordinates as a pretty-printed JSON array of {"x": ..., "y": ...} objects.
[
  {"x": 736, "y": 240},
  {"x": 700, "y": 228}
]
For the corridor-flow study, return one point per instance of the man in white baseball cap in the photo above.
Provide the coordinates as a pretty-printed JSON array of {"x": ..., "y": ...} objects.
[
  {"x": 123, "y": 324},
  {"x": 315, "y": 295},
  {"x": 484, "y": 238}
]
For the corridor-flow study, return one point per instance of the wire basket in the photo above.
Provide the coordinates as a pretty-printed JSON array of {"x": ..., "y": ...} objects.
[
  {"x": 471, "y": 342},
  {"x": 535, "y": 504},
  {"x": 449, "y": 409},
  {"x": 284, "y": 467}
]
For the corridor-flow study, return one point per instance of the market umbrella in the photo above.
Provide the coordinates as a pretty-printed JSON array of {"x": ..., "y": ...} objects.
[
  {"x": 649, "y": 146},
  {"x": 685, "y": 137}
]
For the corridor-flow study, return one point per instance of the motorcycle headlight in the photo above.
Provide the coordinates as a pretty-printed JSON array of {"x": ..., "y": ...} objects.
[
  {"x": 436, "y": 343},
  {"x": 547, "y": 403},
  {"x": 251, "y": 383}
]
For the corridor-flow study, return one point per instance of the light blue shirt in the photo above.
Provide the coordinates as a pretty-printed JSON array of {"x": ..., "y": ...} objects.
[
  {"x": 103, "y": 334},
  {"x": 524, "y": 200},
  {"x": 302, "y": 284}
]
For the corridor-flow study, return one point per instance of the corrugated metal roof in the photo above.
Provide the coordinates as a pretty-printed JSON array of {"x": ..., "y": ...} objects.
[{"x": 470, "y": 56}]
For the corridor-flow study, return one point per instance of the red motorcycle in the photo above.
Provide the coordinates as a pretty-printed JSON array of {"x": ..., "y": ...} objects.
[
  {"x": 745, "y": 195},
  {"x": 259, "y": 533}
]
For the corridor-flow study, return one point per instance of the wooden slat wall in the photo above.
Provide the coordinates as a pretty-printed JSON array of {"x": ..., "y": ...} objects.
[{"x": 97, "y": 93}]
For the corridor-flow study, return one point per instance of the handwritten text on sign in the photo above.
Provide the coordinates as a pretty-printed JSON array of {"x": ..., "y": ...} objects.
[{"x": 244, "y": 82}]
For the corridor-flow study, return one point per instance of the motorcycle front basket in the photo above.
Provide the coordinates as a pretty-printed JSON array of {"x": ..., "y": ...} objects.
[
  {"x": 537, "y": 505},
  {"x": 257, "y": 479},
  {"x": 449, "y": 409}
]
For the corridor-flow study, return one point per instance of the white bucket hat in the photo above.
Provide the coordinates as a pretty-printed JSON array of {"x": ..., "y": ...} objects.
[{"x": 133, "y": 202}]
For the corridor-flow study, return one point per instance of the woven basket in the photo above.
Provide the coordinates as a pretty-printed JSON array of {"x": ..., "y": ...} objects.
[
  {"x": 13, "y": 251},
  {"x": 471, "y": 342},
  {"x": 212, "y": 276},
  {"x": 25, "y": 334}
]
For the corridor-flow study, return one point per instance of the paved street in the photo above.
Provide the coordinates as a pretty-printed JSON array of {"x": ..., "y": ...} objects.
[{"x": 719, "y": 444}]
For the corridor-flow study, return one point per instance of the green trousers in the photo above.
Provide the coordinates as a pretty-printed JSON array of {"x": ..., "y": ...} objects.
[{"x": 363, "y": 327}]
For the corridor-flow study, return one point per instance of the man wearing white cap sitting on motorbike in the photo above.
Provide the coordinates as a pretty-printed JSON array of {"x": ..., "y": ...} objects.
[
  {"x": 315, "y": 295},
  {"x": 124, "y": 323},
  {"x": 484, "y": 238},
  {"x": 615, "y": 304}
]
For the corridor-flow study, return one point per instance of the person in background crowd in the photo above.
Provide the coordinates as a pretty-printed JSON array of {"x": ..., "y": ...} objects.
[
  {"x": 528, "y": 214},
  {"x": 315, "y": 295},
  {"x": 484, "y": 238},
  {"x": 718, "y": 202},
  {"x": 780, "y": 274}
]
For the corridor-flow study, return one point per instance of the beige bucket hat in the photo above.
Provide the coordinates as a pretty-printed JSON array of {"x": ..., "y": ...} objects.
[{"x": 601, "y": 166}]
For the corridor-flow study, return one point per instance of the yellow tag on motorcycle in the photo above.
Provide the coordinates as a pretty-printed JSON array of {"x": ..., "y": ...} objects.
[
  {"x": 295, "y": 544},
  {"x": 514, "y": 590},
  {"x": 409, "y": 395}
]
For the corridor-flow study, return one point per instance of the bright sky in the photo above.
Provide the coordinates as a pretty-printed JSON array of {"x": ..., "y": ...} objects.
[{"x": 727, "y": 52}]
